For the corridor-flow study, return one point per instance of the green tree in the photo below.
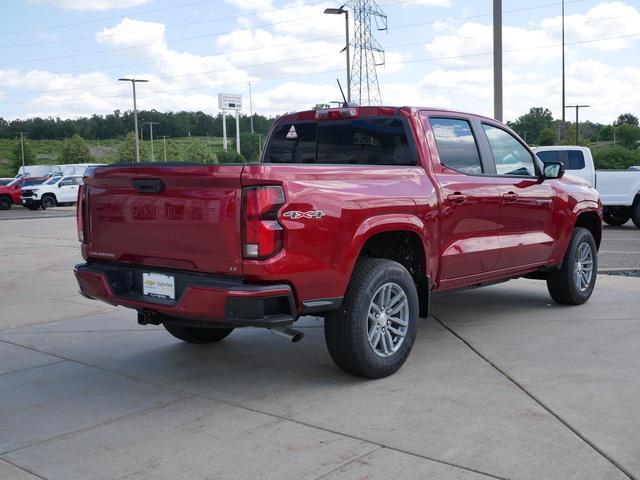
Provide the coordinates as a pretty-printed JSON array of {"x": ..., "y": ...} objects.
[
  {"x": 615, "y": 158},
  {"x": 628, "y": 135},
  {"x": 75, "y": 150},
  {"x": 531, "y": 124},
  {"x": 606, "y": 133},
  {"x": 127, "y": 150},
  {"x": 16, "y": 155},
  {"x": 249, "y": 146},
  {"x": 199, "y": 152},
  {"x": 230, "y": 156},
  {"x": 547, "y": 137},
  {"x": 627, "y": 119}
]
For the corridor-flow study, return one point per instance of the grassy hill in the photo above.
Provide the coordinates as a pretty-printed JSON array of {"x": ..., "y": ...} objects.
[{"x": 104, "y": 151}]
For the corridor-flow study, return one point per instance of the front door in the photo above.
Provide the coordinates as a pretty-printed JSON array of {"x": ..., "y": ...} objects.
[
  {"x": 526, "y": 229},
  {"x": 470, "y": 200},
  {"x": 68, "y": 190}
]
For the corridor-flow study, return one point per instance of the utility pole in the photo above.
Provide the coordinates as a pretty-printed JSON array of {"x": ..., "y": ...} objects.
[
  {"x": 22, "y": 150},
  {"x": 164, "y": 145},
  {"x": 135, "y": 111},
  {"x": 250, "y": 108},
  {"x": 238, "y": 131},
  {"x": 563, "y": 82},
  {"x": 497, "y": 60},
  {"x": 151, "y": 124},
  {"x": 577, "y": 107}
]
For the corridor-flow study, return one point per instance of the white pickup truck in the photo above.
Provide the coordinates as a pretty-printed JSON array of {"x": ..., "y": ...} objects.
[
  {"x": 619, "y": 189},
  {"x": 55, "y": 191}
]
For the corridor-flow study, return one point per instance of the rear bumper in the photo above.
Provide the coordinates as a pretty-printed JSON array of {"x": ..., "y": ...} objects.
[{"x": 211, "y": 299}]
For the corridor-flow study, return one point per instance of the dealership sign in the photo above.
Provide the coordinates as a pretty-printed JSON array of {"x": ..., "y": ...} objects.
[{"x": 229, "y": 101}]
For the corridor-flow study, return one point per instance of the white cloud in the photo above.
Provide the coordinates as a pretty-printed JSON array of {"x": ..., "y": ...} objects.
[
  {"x": 95, "y": 5},
  {"x": 609, "y": 19}
]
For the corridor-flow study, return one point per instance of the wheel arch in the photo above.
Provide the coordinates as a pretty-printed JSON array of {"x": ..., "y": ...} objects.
[
  {"x": 592, "y": 221},
  {"x": 399, "y": 238}
]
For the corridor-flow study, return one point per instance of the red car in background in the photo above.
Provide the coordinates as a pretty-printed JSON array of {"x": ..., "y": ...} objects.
[{"x": 10, "y": 193}]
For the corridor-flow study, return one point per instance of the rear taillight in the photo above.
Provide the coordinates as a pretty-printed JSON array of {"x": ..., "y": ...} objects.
[
  {"x": 80, "y": 213},
  {"x": 336, "y": 113},
  {"x": 262, "y": 234}
]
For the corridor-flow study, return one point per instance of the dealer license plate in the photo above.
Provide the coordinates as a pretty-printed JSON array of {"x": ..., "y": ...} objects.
[{"x": 159, "y": 285}]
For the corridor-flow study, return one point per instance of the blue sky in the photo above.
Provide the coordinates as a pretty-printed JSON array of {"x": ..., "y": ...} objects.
[{"x": 63, "y": 57}]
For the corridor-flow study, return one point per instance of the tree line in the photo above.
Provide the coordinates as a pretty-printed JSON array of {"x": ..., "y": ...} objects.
[
  {"x": 615, "y": 146},
  {"x": 118, "y": 124}
]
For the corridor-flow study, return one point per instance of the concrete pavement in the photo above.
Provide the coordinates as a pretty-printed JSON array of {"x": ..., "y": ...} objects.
[{"x": 502, "y": 383}]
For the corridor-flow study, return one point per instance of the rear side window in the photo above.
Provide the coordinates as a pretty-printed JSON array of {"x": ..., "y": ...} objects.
[
  {"x": 575, "y": 160},
  {"x": 509, "y": 154},
  {"x": 366, "y": 141},
  {"x": 456, "y": 145}
]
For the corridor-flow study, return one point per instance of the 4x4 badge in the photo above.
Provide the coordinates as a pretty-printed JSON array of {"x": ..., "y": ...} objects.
[{"x": 295, "y": 214}]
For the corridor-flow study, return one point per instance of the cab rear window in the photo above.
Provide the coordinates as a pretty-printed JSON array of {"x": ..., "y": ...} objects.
[{"x": 363, "y": 141}]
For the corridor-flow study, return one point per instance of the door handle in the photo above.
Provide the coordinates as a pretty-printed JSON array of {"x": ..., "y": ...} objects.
[
  {"x": 510, "y": 197},
  {"x": 457, "y": 198}
]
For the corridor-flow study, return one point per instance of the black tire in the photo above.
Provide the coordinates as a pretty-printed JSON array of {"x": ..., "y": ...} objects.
[
  {"x": 5, "y": 203},
  {"x": 49, "y": 201},
  {"x": 197, "y": 334},
  {"x": 563, "y": 283},
  {"x": 346, "y": 330},
  {"x": 616, "y": 216},
  {"x": 635, "y": 214}
]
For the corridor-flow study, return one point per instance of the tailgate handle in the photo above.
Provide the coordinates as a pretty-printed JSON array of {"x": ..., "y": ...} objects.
[{"x": 148, "y": 185}]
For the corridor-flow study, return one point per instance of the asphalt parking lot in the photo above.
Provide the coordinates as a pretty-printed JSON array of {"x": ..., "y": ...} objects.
[{"x": 502, "y": 383}]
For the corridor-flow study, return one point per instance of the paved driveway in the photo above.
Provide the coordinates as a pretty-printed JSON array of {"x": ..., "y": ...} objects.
[{"x": 501, "y": 384}]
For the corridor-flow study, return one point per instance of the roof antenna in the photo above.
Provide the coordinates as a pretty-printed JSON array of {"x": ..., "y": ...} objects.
[{"x": 345, "y": 104}]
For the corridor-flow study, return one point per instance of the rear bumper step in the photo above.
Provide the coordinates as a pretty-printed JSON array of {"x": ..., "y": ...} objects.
[{"x": 202, "y": 299}]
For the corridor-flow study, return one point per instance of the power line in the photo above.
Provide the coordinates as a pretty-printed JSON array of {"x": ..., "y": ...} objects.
[
  {"x": 207, "y": 35},
  {"x": 420, "y": 60}
]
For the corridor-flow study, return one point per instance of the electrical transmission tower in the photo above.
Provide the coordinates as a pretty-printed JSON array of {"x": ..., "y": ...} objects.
[{"x": 367, "y": 53}]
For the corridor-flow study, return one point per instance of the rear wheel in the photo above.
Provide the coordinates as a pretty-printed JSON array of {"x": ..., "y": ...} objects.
[
  {"x": 372, "y": 334},
  {"x": 573, "y": 283},
  {"x": 616, "y": 216},
  {"x": 5, "y": 203},
  {"x": 635, "y": 216},
  {"x": 197, "y": 334},
  {"x": 48, "y": 201}
]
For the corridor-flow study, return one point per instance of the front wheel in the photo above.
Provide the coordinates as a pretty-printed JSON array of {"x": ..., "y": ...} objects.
[
  {"x": 197, "y": 334},
  {"x": 573, "y": 283},
  {"x": 372, "y": 334},
  {"x": 5, "y": 203}
]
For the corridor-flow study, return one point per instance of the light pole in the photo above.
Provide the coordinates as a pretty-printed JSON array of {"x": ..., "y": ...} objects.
[
  {"x": 577, "y": 107},
  {"x": 563, "y": 84},
  {"x": 164, "y": 145},
  {"x": 24, "y": 173},
  {"x": 340, "y": 11},
  {"x": 135, "y": 111},
  {"x": 497, "y": 59},
  {"x": 151, "y": 124},
  {"x": 250, "y": 108}
]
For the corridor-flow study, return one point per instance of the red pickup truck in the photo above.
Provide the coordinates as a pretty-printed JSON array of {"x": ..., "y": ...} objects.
[{"x": 353, "y": 214}]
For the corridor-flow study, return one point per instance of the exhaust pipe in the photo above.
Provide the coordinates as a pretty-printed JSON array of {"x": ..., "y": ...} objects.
[{"x": 288, "y": 332}]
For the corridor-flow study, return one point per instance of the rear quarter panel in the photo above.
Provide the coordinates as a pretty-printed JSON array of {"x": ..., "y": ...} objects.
[{"x": 357, "y": 202}]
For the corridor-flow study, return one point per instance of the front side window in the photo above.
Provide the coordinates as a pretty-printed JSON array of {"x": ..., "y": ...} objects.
[
  {"x": 363, "y": 141},
  {"x": 52, "y": 181},
  {"x": 65, "y": 182},
  {"x": 456, "y": 145},
  {"x": 509, "y": 154}
]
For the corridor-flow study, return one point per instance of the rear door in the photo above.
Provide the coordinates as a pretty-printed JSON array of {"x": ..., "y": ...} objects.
[
  {"x": 179, "y": 216},
  {"x": 469, "y": 199},
  {"x": 526, "y": 230}
]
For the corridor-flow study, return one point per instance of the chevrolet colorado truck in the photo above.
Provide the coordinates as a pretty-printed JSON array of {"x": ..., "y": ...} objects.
[{"x": 353, "y": 214}]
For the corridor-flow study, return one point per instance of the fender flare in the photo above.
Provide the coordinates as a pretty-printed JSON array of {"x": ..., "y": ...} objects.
[{"x": 380, "y": 224}]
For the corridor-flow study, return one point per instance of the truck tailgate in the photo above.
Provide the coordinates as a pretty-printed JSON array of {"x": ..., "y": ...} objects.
[{"x": 179, "y": 216}]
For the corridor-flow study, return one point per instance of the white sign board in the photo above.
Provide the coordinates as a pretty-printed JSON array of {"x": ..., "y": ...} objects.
[{"x": 229, "y": 101}]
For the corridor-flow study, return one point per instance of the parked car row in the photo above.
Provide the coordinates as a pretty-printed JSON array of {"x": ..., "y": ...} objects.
[{"x": 40, "y": 192}]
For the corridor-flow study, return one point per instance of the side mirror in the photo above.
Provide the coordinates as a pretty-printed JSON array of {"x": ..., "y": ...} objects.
[
  {"x": 60, "y": 185},
  {"x": 552, "y": 170}
]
